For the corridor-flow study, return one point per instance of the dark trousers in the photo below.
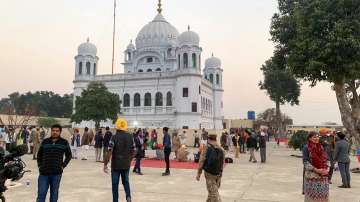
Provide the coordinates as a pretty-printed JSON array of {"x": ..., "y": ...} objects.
[
  {"x": 115, "y": 178},
  {"x": 345, "y": 173},
  {"x": 263, "y": 154},
  {"x": 167, "y": 153},
  {"x": 46, "y": 181},
  {"x": 137, "y": 167},
  {"x": 197, "y": 142}
]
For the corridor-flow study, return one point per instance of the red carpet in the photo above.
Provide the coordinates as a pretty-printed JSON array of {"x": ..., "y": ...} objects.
[{"x": 151, "y": 163}]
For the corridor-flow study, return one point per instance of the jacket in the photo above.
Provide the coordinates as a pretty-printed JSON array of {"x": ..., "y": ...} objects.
[
  {"x": 50, "y": 157},
  {"x": 342, "y": 151}
]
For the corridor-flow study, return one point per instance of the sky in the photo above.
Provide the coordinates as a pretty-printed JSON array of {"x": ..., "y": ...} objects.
[{"x": 39, "y": 40}]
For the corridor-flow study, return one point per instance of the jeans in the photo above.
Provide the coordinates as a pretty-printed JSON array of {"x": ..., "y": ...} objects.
[
  {"x": 345, "y": 173},
  {"x": 115, "y": 178},
  {"x": 263, "y": 154},
  {"x": 44, "y": 182},
  {"x": 167, "y": 153}
]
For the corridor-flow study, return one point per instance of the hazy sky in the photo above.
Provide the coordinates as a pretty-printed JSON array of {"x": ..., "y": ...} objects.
[{"x": 39, "y": 39}]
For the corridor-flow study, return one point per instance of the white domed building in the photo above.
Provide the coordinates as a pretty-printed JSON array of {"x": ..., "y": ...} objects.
[{"x": 163, "y": 83}]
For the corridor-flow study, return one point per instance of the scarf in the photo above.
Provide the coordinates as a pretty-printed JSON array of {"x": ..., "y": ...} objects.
[{"x": 317, "y": 155}]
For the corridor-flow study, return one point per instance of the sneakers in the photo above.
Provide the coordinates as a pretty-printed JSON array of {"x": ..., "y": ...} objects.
[{"x": 128, "y": 199}]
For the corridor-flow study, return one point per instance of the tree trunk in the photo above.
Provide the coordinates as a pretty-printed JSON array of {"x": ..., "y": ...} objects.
[
  {"x": 345, "y": 110},
  {"x": 278, "y": 117}
]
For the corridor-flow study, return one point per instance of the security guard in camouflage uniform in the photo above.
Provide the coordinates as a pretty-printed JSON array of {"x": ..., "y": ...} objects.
[{"x": 213, "y": 182}]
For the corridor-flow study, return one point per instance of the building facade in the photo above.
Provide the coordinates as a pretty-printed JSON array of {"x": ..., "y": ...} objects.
[{"x": 163, "y": 83}]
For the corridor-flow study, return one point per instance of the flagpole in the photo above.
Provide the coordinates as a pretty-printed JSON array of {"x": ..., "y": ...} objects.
[{"x": 114, "y": 29}]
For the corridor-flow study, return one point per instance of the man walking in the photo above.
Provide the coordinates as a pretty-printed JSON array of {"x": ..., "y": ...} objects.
[
  {"x": 36, "y": 143},
  {"x": 121, "y": 149},
  {"x": 252, "y": 146},
  {"x": 212, "y": 162},
  {"x": 51, "y": 163},
  {"x": 343, "y": 159},
  {"x": 99, "y": 139},
  {"x": 85, "y": 143},
  {"x": 167, "y": 150},
  {"x": 262, "y": 145},
  {"x": 107, "y": 138}
]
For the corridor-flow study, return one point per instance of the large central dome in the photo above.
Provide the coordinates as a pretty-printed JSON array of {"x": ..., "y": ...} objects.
[{"x": 158, "y": 33}]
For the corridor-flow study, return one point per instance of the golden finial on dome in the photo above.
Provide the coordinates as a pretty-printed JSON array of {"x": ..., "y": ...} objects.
[{"x": 159, "y": 7}]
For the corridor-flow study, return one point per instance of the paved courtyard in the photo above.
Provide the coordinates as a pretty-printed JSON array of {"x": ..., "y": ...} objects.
[{"x": 279, "y": 180}]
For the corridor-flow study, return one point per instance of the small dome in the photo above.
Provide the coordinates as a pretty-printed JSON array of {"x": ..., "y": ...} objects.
[
  {"x": 189, "y": 38},
  {"x": 87, "y": 48},
  {"x": 213, "y": 62},
  {"x": 131, "y": 46},
  {"x": 158, "y": 33}
]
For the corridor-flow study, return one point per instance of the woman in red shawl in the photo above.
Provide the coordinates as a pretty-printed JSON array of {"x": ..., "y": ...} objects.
[{"x": 316, "y": 183}]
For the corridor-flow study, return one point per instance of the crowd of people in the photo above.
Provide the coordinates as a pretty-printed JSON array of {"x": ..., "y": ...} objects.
[
  {"x": 30, "y": 136},
  {"x": 242, "y": 140},
  {"x": 322, "y": 151}
]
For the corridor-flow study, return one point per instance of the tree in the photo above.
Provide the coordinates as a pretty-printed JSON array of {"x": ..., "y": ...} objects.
[
  {"x": 96, "y": 104},
  {"x": 269, "y": 118},
  {"x": 13, "y": 119},
  {"x": 298, "y": 140},
  {"x": 47, "y": 122},
  {"x": 321, "y": 42},
  {"x": 44, "y": 103},
  {"x": 280, "y": 84}
]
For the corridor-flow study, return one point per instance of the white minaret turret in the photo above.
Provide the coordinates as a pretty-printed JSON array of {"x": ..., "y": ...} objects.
[
  {"x": 86, "y": 61},
  {"x": 189, "y": 53},
  {"x": 129, "y": 55},
  {"x": 188, "y": 81},
  {"x": 213, "y": 73}
]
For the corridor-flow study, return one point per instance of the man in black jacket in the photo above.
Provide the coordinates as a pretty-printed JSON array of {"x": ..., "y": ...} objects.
[
  {"x": 107, "y": 138},
  {"x": 51, "y": 164}
]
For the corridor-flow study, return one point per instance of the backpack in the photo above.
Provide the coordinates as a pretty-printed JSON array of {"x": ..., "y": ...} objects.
[{"x": 214, "y": 160}]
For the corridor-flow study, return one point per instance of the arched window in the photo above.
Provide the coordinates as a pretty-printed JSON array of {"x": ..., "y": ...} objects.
[
  {"x": 169, "y": 99},
  {"x": 179, "y": 62},
  {"x": 211, "y": 78},
  {"x": 94, "y": 68},
  {"x": 186, "y": 60},
  {"x": 80, "y": 68},
  {"x": 217, "y": 79},
  {"x": 140, "y": 70},
  {"x": 158, "y": 99},
  {"x": 137, "y": 100},
  {"x": 126, "y": 100},
  {"x": 158, "y": 70},
  {"x": 194, "y": 60},
  {"x": 149, "y": 70},
  {"x": 88, "y": 67},
  {"x": 129, "y": 56},
  {"x": 147, "y": 101}
]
